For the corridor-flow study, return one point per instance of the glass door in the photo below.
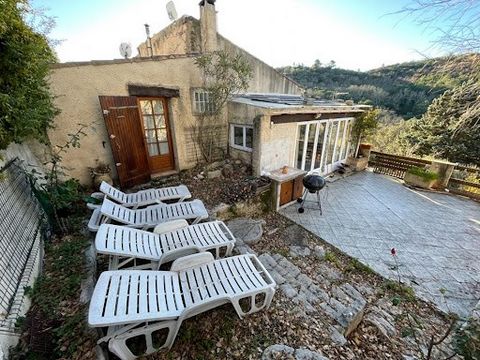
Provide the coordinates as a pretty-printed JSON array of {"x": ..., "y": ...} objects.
[
  {"x": 154, "y": 112},
  {"x": 322, "y": 145}
]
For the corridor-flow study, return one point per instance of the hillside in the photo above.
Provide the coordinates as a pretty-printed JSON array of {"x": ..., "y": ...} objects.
[{"x": 406, "y": 88}]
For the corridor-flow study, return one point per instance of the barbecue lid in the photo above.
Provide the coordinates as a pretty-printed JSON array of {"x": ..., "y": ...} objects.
[{"x": 314, "y": 182}]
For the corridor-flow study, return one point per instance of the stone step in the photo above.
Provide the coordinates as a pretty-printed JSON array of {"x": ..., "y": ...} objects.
[{"x": 343, "y": 304}]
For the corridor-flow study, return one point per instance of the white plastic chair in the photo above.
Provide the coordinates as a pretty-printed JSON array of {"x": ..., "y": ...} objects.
[
  {"x": 148, "y": 217},
  {"x": 168, "y": 242},
  {"x": 143, "y": 310},
  {"x": 143, "y": 197}
]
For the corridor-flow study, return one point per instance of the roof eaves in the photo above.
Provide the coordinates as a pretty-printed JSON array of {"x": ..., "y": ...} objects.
[{"x": 121, "y": 61}]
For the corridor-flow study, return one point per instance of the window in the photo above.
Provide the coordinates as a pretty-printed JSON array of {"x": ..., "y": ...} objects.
[
  {"x": 241, "y": 137},
  {"x": 201, "y": 102},
  {"x": 154, "y": 126}
]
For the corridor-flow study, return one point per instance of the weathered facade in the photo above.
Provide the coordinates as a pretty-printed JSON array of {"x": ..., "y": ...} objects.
[
  {"x": 164, "y": 73},
  {"x": 287, "y": 132}
]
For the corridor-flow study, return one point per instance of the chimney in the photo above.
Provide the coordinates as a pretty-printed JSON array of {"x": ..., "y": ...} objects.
[{"x": 208, "y": 25}]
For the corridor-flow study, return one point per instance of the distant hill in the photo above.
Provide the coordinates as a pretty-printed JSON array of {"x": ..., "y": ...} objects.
[{"x": 406, "y": 88}]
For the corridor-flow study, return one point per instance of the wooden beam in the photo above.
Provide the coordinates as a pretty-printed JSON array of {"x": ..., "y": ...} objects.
[
  {"x": 291, "y": 118},
  {"x": 155, "y": 91}
]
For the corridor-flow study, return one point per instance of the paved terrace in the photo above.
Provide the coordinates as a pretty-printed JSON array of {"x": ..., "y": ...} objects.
[{"x": 437, "y": 236}]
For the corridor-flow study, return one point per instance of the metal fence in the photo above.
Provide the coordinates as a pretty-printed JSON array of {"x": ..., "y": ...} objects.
[{"x": 21, "y": 224}]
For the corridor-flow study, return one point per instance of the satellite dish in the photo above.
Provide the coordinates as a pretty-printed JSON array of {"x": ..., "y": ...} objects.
[
  {"x": 125, "y": 50},
  {"x": 172, "y": 12}
]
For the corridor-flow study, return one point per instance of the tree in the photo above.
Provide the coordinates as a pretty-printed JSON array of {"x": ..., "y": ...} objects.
[
  {"x": 365, "y": 125},
  {"x": 459, "y": 31},
  {"x": 438, "y": 132},
  {"x": 26, "y": 105},
  {"x": 224, "y": 74},
  {"x": 331, "y": 64},
  {"x": 393, "y": 138},
  {"x": 317, "y": 64}
]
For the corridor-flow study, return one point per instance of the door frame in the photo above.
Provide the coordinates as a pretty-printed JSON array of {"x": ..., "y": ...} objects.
[{"x": 171, "y": 147}]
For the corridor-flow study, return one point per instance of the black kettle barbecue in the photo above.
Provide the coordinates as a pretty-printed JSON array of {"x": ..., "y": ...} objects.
[{"x": 313, "y": 183}]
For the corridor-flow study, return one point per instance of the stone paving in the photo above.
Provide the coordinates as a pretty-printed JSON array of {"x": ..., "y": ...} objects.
[
  {"x": 344, "y": 304},
  {"x": 437, "y": 236}
]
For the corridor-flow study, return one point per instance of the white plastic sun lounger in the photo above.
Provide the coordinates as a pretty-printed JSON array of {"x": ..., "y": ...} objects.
[
  {"x": 126, "y": 245},
  {"x": 143, "y": 197},
  {"x": 148, "y": 217},
  {"x": 148, "y": 307}
]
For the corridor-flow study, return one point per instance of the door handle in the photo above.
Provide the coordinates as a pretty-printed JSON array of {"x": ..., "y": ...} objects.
[{"x": 118, "y": 164}]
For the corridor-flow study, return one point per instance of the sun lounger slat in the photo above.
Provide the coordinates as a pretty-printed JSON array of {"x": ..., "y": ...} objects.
[
  {"x": 129, "y": 296},
  {"x": 133, "y": 295},
  {"x": 148, "y": 217},
  {"x": 111, "y": 303},
  {"x": 126, "y": 242},
  {"x": 235, "y": 275},
  {"x": 145, "y": 197}
]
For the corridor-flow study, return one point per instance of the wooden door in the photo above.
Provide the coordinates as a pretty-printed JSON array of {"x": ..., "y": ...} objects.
[
  {"x": 122, "y": 120},
  {"x": 157, "y": 134},
  {"x": 286, "y": 192},
  {"x": 298, "y": 188}
]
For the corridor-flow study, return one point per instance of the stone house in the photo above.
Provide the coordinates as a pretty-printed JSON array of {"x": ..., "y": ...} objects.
[{"x": 145, "y": 109}]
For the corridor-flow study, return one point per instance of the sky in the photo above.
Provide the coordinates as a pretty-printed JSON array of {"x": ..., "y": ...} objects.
[{"x": 356, "y": 34}]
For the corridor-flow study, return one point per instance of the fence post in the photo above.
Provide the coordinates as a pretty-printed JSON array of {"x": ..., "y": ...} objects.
[{"x": 444, "y": 170}]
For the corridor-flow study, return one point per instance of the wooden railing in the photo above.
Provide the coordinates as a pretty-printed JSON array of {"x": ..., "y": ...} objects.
[
  {"x": 397, "y": 166},
  {"x": 465, "y": 188},
  {"x": 394, "y": 165}
]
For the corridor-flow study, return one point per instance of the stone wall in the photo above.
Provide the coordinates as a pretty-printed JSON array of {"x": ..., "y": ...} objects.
[
  {"x": 265, "y": 78},
  {"x": 180, "y": 37},
  {"x": 184, "y": 37}
]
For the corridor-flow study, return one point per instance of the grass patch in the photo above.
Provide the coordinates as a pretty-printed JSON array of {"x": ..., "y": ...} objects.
[
  {"x": 332, "y": 258},
  {"x": 407, "y": 332},
  {"x": 402, "y": 291},
  {"x": 355, "y": 265}
]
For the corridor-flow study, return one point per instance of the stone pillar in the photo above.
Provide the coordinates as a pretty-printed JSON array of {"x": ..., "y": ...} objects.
[
  {"x": 444, "y": 170},
  {"x": 365, "y": 150},
  {"x": 259, "y": 127},
  {"x": 208, "y": 26}
]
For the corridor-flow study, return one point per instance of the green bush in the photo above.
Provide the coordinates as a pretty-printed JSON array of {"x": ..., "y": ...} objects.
[
  {"x": 60, "y": 197},
  {"x": 467, "y": 340},
  {"x": 425, "y": 174},
  {"x": 26, "y": 104}
]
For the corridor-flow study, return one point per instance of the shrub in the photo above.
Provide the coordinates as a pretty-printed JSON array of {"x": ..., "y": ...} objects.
[
  {"x": 467, "y": 340},
  {"x": 26, "y": 105},
  {"x": 425, "y": 174}
]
